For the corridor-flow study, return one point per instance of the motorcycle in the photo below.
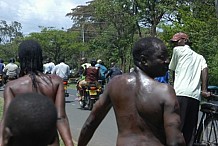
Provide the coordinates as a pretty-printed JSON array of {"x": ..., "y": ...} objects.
[
  {"x": 10, "y": 78},
  {"x": 65, "y": 82},
  {"x": 91, "y": 95},
  {"x": 1, "y": 80}
]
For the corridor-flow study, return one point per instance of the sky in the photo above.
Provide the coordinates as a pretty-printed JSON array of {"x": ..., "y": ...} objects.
[{"x": 34, "y": 13}]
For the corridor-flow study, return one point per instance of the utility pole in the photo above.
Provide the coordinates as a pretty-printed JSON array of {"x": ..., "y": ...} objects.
[{"x": 216, "y": 6}]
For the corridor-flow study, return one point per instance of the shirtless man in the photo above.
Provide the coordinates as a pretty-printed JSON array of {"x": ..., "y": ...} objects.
[
  {"x": 147, "y": 112},
  {"x": 33, "y": 80}
]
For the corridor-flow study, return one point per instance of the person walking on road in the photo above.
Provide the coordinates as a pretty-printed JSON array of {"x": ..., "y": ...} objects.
[
  {"x": 32, "y": 79},
  {"x": 190, "y": 71},
  {"x": 147, "y": 112}
]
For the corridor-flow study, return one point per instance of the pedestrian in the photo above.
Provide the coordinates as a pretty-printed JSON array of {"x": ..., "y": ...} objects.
[
  {"x": 34, "y": 80},
  {"x": 147, "y": 112},
  {"x": 190, "y": 71},
  {"x": 34, "y": 110},
  {"x": 62, "y": 69}
]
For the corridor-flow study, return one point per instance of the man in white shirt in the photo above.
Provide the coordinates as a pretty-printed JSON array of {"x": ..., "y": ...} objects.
[
  {"x": 190, "y": 74},
  {"x": 48, "y": 66},
  {"x": 11, "y": 70},
  {"x": 62, "y": 69}
]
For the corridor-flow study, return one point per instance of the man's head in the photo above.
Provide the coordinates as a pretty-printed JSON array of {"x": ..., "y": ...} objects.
[
  {"x": 30, "y": 121},
  {"x": 180, "y": 39},
  {"x": 62, "y": 60},
  {"x": 83, "y": 60},
  {"x": 12, "y": 60},
  {"x": 93, "y": 62},
  {"x": 99, "y": 61},
  {"x": 150, "y": 55},
  {"x": 30, "y": 56}
]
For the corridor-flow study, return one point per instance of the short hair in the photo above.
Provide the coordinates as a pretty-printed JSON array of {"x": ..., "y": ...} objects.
[
  {"x": 62, "y": 60},
  {"x": 146, "y": 46},
  {"x": 30, "y": 56},
  {"x": 93, "y": 62},
  {"x": 36, "y": 111},
  {"x": 12, "y": 60}
]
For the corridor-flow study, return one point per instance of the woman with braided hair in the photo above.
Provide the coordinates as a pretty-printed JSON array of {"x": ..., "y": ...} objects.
[{"x": 32, "y": 79}]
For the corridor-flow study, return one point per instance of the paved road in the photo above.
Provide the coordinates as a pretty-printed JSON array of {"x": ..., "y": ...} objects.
[{"x": 106, "y": 133}]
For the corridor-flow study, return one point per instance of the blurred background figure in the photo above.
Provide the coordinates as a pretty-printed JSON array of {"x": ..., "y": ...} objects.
[
  {"x": 48, "y": 66},
  {"x": 114, "y": 70},
  {"x": 102, "y": 70},
  {"x": 62, "y": 69},
  {"x": 11, "y": 70}
]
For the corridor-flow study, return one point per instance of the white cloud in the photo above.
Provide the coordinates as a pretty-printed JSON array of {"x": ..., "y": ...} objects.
[{"x": 34, "y": 13}]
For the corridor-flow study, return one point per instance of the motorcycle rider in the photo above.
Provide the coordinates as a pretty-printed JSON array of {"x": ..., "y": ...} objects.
[
  {"x": 48, "y": 66},
  {"x": 2, "y": 65},
  {"x": 83, "y": 66},
  {"x": 11, "y": 70},
  {"x": 102, "y": 70},
  {"x": 62, "y": 69},
  {"x": 91, "y": 74}
]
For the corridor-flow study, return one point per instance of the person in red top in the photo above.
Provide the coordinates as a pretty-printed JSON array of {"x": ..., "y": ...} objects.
[{"x": 91, "y": 74}]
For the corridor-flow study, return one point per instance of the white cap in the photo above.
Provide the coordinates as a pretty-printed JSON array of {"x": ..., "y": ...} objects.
[{"x": 99, "y": 60}]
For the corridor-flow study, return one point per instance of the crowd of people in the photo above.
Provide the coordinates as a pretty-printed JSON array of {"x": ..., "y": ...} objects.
[{"x": 135, "y": 96}]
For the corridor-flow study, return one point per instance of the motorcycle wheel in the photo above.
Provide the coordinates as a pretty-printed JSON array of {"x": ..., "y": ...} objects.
[
  {"x": 90, "y": 103},
  {"x": 82, "y": 104}
]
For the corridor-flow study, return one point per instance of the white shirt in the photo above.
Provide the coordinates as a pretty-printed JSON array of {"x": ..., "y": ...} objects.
[
  {"x": 48, "y": 67},
  {"x": 62, "y": 70},
  {"x": 187, "y": 65},
  {"x": 11, "y": 69}
]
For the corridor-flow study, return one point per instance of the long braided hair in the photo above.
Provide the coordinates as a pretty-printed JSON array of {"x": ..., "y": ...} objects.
[{"x": 30, "y": 56}]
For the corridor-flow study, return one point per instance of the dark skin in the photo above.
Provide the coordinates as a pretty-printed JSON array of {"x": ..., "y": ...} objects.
[
  {"x": 48, "y": 85},
  {"x": 146, "y": 111}
]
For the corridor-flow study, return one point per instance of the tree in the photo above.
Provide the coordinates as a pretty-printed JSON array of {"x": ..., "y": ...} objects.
[
  {"x": 199, "y": 21},
  {"x": 8, "y": 32},
  {"x": 58, "y": 43}
]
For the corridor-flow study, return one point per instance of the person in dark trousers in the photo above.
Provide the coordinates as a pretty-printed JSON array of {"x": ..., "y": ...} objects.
[
  {"x": 36, "y": 111},
  {"x": 190, "y": 74},
  {"x": 147, "y": 112}
]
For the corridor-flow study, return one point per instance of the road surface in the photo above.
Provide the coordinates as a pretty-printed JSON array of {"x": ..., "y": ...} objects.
[{"x": 106, "y": 133}]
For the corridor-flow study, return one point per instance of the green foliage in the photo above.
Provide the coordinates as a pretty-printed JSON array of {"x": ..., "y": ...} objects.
[
  {"x": 58, "y": 43},
  {"x": 8, "y": 32}
]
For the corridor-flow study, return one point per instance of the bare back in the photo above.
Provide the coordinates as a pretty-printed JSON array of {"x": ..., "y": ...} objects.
[
  {"x": 47, "y": 85},
  {"x": 143, "y": 121}
]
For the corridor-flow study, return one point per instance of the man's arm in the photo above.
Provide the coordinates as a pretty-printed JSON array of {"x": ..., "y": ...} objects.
[
  {"x": 172, "y": 119},
  {"x": 204, "y": 80},
  {"x": 8, "y": 97},
  {"x": 99, "y": 111},
  {"x": 62, "y": 122}
]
